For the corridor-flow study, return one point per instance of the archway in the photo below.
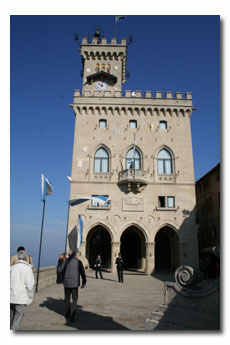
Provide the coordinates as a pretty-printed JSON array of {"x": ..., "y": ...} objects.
[
  {"x": 99, "y": 243},
  {"x": 133, "y": 248},
  {"x": 166, "y": 249}
]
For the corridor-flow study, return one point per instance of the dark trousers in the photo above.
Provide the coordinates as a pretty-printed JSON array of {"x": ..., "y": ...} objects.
[
  {"x": 120, "y": 275},
  {"x": 98, "y": 269},
  {"x": 71, "y": 308}
]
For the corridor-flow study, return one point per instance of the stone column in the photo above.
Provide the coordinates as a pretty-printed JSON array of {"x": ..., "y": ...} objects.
[
  {"x": 115, "y": 249},
  {"x": 150, "y": 257}
]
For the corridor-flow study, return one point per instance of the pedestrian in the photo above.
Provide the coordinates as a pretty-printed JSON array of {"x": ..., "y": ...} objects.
[
  {"x": 119, "y": 263},
  {"x": 73, "y": 269},
  {"x": 14, "y": 258},
  {"x": 21, "y": 289},
  {"x": 98, "y": 267},
  {"x": 60, "y": 276}
]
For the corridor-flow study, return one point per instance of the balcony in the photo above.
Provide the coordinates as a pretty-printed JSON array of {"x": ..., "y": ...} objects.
[{"x": 134, "y": 179}]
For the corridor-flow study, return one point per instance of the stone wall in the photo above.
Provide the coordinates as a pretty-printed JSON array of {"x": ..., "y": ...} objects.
[{"x": 47, "y": 277}]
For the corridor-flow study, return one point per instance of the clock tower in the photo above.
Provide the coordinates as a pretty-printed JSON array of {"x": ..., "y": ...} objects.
[
  {"x": 136, "y": 149},
  {"x": 104, "y": 65}
]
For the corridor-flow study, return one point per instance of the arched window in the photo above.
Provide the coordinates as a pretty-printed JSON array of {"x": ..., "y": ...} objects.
[
  {"x": 133, "y": 159},
  {"x": 164, "y": 159},
  {"x": 101, "y": 161}
]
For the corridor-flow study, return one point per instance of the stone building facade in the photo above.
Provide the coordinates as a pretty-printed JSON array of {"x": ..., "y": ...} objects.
[
  {"x": 135, "y": 148},
  {"x": 208, "y": 208}
]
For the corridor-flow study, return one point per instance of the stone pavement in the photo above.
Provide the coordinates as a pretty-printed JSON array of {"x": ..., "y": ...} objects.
[{"x": 103, "y": 305}]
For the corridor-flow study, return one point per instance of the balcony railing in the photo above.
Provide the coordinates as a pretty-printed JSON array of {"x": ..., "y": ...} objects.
[{"x": 132, "y": 176}]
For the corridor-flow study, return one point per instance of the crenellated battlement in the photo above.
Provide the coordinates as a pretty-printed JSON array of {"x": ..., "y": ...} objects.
[
  {"x": 103, "y": 41},
  {"x": 130, "y": 104},
  {"x": 134, "y": 94}
]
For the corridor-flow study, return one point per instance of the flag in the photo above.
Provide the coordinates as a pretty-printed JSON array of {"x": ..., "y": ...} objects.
[
  {"x": 75, "y": 236},
  {"x": 101, "y": 199},
  {"x": 46, "y": 187},
  {"x": 119, "y": 18},
  {"x": 132, "y": 164}
]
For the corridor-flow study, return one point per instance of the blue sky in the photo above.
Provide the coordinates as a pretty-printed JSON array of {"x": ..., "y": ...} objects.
[{"x": 168, "y": 53}]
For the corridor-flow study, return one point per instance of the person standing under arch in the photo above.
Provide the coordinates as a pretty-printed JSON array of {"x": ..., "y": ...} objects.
[
  {"x": 119, "y": 263},
  {"x": 98, "y": 267}
]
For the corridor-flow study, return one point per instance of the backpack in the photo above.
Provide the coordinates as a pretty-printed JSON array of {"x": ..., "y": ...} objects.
[{"x": 60, "y": 276}]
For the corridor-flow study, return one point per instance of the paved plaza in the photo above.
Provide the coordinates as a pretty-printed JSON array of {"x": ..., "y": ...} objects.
[{"x": 103, "y": 305}]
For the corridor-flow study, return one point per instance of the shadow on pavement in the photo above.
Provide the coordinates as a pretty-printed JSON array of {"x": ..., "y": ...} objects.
[
  {"x": 84, "y": 320},
  {"x": 112, "y": 280},
  {"x": 164, "y": 275}
]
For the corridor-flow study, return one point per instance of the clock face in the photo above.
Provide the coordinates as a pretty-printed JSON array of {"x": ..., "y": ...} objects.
[{"x": 101, "y": 85}]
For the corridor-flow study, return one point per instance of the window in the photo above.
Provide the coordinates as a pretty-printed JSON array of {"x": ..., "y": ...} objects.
[
  {"x": 94, "y": 203},
  {"x": 166, "y": 202},
  {"x": 133, "y": 159},
  {"x": 171, "y": 202},
  {"x": 101, "y": 161},
  {"x": 163, "y": 125},
  {"x": 102, "y": 123},
  {"x": 133, "y": 124},
  {"x": 161, "y": 201},
  {"x": 164, "y": 162}
]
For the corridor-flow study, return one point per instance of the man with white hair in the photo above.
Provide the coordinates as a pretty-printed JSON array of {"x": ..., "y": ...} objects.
[{"x": 21, "y": 289}]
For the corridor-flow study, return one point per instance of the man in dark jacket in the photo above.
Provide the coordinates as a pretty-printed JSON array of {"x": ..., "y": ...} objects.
[
  {"x": 119, "y": 263},
  {"x": 98, "y": 266},
  {"x": 73, "y": 269}
]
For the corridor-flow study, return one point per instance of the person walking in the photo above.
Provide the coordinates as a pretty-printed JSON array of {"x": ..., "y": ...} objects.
[
  {"x": 119, "y": 263},
  {"x": 73, "y": 269},
  {"x": 21, "y": 289},
  {"x": 60, "y": 276},
  {"x": 98, "y": 267},
  {"x": 14, "y": 258}
]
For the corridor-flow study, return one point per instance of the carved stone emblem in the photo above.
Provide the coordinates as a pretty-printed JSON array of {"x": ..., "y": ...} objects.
[{"x": 133, "y": 204}]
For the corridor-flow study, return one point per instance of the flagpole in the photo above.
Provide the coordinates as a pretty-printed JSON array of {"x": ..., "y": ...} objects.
[
  {"x": 115, "y": 27},
  {"x": 39, "y": 257}
]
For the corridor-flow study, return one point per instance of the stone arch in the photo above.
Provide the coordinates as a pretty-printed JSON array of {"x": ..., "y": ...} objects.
[
  {"x": 188, "y": 112},
  {"x": 168, "y": 112},
  {"x": 162, "y": 112},
  {"x": 133, "y": 247},
  {"x": 110, "y": 111},
  {"x": 166, "y": 148},
  {"x": 155, "y": 158},
  {"x": 103, "y": 111},
  {"x": 149, "y": 111},
  {"x": 156, "y": 111},
  {"x": 130, "y": 111},
  {"x": 99, "y": 146},
  {"x": 167, "y": 253},
  {"x": 181, "y": 112},
  {"x": 98, "y": 242},
  {"x": 92, "y": 157},
  {"x": 138, "y": 150},
  {"x": 91, "y": 111}
]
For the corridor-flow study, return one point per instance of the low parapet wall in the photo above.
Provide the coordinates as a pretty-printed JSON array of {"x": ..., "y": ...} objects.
[{"x": 47, "y": 277}]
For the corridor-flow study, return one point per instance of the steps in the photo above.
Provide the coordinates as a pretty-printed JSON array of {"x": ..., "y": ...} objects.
[{"x": 167, "y": 317}]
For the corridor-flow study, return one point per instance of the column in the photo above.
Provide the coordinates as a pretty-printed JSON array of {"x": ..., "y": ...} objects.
[{"x": 150, "y": 257}]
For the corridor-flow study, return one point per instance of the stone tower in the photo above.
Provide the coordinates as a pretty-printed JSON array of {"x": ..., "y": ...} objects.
[{"x": 135, "y": 148}]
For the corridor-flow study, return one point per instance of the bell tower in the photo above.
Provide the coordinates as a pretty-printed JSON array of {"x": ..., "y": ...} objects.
[{"x": 104, "y": 65}]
